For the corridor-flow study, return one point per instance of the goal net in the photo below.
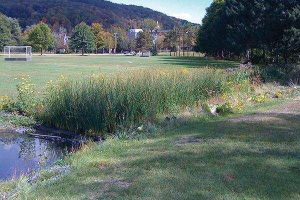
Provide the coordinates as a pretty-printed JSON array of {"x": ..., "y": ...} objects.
[{"x": 17, "y": 53}]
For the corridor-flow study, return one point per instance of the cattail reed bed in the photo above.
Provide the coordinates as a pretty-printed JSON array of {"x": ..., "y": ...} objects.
[{"x": 102, "y": 103}]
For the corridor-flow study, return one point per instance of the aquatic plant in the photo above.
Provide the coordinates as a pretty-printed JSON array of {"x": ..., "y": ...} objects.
[{"x": 102, "y": 103}]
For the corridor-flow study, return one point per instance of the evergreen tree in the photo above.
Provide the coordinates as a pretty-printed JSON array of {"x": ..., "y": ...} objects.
[
  {"x": 83, "y": 38},
  {"x": 40, "y": 37}
]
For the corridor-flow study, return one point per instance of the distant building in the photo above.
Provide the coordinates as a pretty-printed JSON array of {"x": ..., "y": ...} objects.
[
  {"x": 133, "y": 33},
  {"x": 62, "y": 41}
]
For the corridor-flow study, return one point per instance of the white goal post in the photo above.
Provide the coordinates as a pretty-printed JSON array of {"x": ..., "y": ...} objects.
[{"x": 17, "y": 53}]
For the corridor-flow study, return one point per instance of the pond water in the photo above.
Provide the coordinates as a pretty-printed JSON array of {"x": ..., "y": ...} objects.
[{"x": 21, "y": 154}]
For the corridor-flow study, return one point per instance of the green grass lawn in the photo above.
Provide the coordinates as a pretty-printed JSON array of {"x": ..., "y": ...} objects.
[
  {"x": 250, "y": 156},
  {"x": 44, "y": 68}
]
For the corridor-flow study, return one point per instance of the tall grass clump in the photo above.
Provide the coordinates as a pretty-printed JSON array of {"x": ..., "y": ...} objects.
[{"x": 102, "y": 103}]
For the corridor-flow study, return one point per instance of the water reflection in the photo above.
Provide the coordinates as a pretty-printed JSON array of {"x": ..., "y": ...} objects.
[{"x": 21, "y": 154}]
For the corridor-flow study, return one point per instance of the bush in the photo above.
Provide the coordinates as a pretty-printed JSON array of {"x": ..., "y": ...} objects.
[
  {"x": 27, "y": 99},
  {"x": 154, "y": 52},
  {"x": 225, "y": 108},
  {"x": 6, "y": 103},
  {"x": 283, "y": 73},
  {"x": 260, "y": 98}
]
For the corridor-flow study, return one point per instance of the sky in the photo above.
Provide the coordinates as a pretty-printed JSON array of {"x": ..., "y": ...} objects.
[{"x": 191, "y": 10}]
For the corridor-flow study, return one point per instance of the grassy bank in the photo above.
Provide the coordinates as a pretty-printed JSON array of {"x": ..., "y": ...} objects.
[{"x": 254, "y": 155}]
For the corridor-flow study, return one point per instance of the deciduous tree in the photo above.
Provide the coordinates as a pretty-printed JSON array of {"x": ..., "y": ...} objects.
[
  {"x": 144, "y": 41},
  {"x": 98, "y": 32},
  {"x": 171, "y": 40},
  {"x": 40, "y": 37},
  {"x": 252, "y": 28},
  {"x": 109, "y": 42},
  {"x": 10, "y": 31}
]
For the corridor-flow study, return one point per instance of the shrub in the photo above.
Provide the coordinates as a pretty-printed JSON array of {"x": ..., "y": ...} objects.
[
  {"x": 27, "y": 99},
  {"x": 225, "y": 108},
  {"x": 283, "y": 73},
  {"x": 278, "y": 94},
  {"x": 6, "y": 103},
  {"x": 260, "y": 98}
]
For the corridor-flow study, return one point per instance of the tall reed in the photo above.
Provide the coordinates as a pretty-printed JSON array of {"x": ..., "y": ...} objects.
[{"x": 101, "y": 103}]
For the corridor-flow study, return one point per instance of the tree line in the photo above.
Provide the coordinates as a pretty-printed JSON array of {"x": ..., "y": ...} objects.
[
  {"x": 96, "y": 38},
  {"x": 259, "y": 31}
]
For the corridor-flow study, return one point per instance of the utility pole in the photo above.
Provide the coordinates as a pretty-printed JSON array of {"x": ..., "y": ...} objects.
[{"x": 116, "y": 37}]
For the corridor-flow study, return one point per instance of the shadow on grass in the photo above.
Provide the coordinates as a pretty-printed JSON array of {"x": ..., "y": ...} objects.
[
  {"x": 249, "y": 157},
  {"x": 198, "y": 62}
]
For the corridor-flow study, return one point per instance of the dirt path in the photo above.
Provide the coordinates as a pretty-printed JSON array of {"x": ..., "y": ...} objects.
[{"x": 291, "y": 108}]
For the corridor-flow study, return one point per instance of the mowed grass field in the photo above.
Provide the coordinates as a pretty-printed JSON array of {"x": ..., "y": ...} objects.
[{"x": 45, "y": 68}]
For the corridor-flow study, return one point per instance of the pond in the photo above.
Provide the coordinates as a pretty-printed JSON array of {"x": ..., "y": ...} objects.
[{"x": 21, "y": 154}]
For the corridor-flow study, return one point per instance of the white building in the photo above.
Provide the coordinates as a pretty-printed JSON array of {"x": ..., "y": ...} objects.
[{"x": 133, "y": 33}]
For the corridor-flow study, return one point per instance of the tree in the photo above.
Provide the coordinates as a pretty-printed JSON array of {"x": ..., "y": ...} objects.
[
  {"x": 149, "y": 25},
  {"x": 15, "y": 30},
  {"x": 188, "y": 41},
  {"x": 245, "y": 24},
  {"x": 212, "y": 33},
  {"x": 122, "y": 38},
  {"x": 282, "y": 29},
  {"x": 10, "y": 31},
  {"x": 98, "y": 32},
  {"x": 40, "y": 37},
  {"x": 131, "y": 44},
  {"x": 252, "y": 29},
  {"x": 144, "y": 41},
  {"x": 109, "y": 41},
  {"x": 171, "y": 40},
  {"x": 189, "y": 37},
  {"x": 160, "y": 42},
  {"x": 82, "y": 38}
]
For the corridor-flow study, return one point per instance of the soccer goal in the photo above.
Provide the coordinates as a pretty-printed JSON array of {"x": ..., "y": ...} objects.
[{"x": 17, "y": 53}]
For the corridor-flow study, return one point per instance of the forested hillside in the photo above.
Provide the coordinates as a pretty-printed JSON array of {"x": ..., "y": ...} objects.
[{"x": 68, "y": 13}]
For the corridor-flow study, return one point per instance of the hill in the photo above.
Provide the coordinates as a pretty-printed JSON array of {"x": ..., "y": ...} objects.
[{"x": 68, "y": 13}]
